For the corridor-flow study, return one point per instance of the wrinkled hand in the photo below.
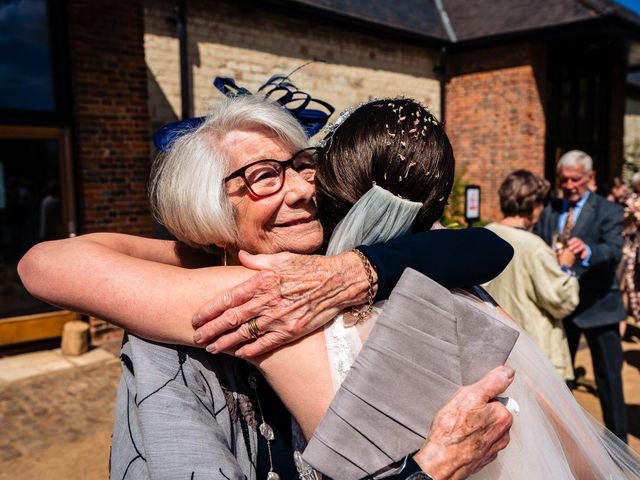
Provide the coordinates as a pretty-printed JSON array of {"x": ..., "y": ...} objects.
[
  {"x": 470, "y": 430},
  {"x": 290, "y": 297},
  {"x": 566, "y": 257},
  {"x": 577, "y": 247}
]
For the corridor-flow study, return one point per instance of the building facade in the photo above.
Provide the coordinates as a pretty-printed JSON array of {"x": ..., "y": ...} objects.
[{"x": 517, "y": 83}]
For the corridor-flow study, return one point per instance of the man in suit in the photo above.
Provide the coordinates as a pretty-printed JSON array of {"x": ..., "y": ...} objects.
[{"x": 590, "y": 227}]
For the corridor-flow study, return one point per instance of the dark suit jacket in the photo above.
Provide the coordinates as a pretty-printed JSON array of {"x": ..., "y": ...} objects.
[{"x": 599, "y": 226}]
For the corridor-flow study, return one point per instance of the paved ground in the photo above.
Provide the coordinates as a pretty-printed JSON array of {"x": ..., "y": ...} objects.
[
  {"x": 57, "y": 425},
  {"x": 631, "y": 378}
]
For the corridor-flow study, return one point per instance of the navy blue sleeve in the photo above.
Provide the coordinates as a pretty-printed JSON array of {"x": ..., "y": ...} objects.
[{"x": 453, "y": 258}]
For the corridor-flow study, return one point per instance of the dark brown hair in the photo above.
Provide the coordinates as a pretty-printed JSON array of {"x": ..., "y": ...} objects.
[
  {"x": 520, "y": 192},
  {"x": 395, "y": 143}
]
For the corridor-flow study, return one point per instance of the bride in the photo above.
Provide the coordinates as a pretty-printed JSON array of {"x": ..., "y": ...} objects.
[
  {"x": 394, "y": 149},
  {"x": 551, "y": 438}
]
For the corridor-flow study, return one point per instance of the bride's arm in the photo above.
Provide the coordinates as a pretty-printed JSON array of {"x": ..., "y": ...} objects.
[{"x": 99, "y": 274}]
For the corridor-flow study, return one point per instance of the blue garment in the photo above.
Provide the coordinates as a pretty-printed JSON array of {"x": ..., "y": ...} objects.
[{"x": 453, "y": 258}]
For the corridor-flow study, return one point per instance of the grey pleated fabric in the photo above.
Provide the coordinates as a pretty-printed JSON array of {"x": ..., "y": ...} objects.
[{"x": 426, "y": 343}]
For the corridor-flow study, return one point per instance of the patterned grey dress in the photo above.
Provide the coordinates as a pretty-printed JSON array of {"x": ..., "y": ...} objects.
[{"x": 182, "y": 413}]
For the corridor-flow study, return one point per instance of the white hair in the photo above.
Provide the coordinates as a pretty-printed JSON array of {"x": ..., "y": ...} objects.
[
  {"x": 187, "y": 190},
  {"x": 635, "y": 178},
  {"x": 573, "y": 158}
]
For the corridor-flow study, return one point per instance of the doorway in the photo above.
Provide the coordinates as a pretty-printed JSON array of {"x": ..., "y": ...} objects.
[{"x": 36, "y": 204}]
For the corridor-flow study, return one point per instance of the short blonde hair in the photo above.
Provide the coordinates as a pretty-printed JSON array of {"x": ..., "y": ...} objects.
[
  {"x": 187, "y": 190},
  {"x": 573, "y": 158}
]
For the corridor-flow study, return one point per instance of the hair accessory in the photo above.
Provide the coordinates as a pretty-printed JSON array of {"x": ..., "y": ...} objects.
[
  {"x": 356, "y": 315},
  {"x": 279, "y": 88},
  {"x": 330, "y": 128}
]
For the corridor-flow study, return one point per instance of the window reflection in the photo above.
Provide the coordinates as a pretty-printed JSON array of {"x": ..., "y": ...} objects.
[
  {"x": 26, "y": 76},
  {"x": 30, "y": 212}
]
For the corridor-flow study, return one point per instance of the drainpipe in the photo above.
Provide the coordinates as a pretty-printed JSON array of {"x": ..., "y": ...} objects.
[
  {"x": 442, "y": 68},
  {"x": 181, "y": 19},
  {"x": 442, "y": 77}
]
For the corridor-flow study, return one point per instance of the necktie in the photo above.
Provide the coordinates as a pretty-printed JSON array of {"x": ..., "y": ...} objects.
[{"x": 568, "y": 225}]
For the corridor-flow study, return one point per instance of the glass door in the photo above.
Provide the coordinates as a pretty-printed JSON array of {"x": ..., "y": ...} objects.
[{"x": 36, "y": 204}]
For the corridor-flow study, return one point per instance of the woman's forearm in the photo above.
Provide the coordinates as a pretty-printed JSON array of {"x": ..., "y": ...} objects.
[{"x": 151, "y": 299}]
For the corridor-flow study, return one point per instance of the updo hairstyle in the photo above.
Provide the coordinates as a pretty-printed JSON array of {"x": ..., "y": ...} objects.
[{"x": 398, "y": 145}]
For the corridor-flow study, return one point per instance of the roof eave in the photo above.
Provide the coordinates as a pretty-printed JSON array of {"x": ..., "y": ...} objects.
[
  {"x": 304, "y": 10},
  {"x": 611, "y": 23}
]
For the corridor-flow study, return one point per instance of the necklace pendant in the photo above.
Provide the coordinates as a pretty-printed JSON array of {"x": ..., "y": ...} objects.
[
  {"x": 273, "y": 476},
  {"x": 349, "y": 319},
  {"x": 267, "y": 432}
]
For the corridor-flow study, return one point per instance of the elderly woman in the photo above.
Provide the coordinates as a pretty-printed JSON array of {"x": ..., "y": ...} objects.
[
  {"x": 537, "y": 288},
  {"x": 207, "y": 423}
]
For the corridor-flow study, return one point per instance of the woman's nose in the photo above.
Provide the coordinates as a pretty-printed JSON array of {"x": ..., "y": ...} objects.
[{"x": 297, "y": 188}]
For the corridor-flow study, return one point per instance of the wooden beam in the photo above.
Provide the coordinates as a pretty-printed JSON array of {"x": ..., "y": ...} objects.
[{"x": 39, "y": 326}]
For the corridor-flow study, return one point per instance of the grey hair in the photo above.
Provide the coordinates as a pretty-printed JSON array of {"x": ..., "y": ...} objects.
[
  {"x": 574, "y": 158},
  {"x": 635, "y": 178},
  {"x": 187, "y": 190}
]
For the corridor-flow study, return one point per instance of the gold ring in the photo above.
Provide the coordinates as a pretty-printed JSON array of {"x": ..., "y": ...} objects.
[{"x": 254, "y": 330}]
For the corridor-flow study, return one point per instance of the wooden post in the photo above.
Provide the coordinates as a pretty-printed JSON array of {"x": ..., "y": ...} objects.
[{"x": 75, "y": 338}]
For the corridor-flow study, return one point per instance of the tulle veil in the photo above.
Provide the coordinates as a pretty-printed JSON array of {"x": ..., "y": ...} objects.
[{"x": 552, "y": 436}]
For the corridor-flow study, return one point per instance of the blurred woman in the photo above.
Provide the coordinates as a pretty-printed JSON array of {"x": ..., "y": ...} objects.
[{"x": 538, "y": 288}]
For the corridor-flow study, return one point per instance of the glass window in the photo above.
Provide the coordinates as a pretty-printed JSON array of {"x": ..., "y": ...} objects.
[
  {"x": 26, "y": 73},
  {"x": 30, "y": 212}
]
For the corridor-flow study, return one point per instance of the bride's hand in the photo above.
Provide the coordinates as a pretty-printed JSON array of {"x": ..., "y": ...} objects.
[{"x": 291, "y": 296}]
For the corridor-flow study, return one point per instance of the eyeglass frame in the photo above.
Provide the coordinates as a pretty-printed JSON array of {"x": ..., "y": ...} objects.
[{"x": 284, "y": 163}]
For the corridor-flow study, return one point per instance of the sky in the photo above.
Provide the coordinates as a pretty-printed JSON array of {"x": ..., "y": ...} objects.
[{"x": 631, "y": 5}]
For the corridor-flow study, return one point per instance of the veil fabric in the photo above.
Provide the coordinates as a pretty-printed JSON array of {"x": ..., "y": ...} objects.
[
  {"x": 551, "y": 437},
  {"x": 377, "y": 216}
]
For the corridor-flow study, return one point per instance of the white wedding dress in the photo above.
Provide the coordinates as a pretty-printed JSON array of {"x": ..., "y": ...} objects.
[{"x": 552, "y": 437}]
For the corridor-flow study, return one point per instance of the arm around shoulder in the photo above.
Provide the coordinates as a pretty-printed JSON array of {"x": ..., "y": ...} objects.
[
  {"x": 151, "y": 299},
  {"x": 453, "y": 258}
]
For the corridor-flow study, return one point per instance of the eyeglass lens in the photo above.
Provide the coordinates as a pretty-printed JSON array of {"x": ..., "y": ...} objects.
[{"x": 266, "y": 177}]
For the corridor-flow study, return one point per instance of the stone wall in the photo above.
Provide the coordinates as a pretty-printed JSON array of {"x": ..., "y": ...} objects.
[
  {"x": 495, "y": 116},
  {"x": 250, "y": 45}
]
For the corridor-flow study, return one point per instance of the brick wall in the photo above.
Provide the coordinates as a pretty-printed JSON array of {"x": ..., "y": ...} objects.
[
  {"x": 110, "y": 111},
  {"x": 111, "y": 123},
  {"x": 250, "y": 45},
  {"x": 495, "y": 116}
]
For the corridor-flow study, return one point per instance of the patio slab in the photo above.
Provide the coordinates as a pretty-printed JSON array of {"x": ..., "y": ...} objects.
[{"x": 31, "y": 364}]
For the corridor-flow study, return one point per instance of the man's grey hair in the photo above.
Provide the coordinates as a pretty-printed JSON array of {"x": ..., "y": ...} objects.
[
  {"x": 187, "y": 190},
  {"x": 635, "y": 179},
  {"x": 574, "y": 158}
]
